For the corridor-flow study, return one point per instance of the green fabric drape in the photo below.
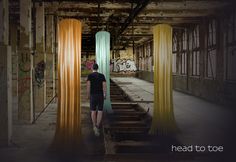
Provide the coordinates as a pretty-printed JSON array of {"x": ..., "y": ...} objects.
[
  {"x": 68, "y": 128},
  {"x": 163, "y": 121},
  {"x": 103, "y": 61}
]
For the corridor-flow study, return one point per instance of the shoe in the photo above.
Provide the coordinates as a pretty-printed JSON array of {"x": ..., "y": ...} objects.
[{"x": 96, "y": 131}]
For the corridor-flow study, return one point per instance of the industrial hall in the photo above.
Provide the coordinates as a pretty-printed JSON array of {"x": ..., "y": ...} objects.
[{"x": 117, "y": 80}]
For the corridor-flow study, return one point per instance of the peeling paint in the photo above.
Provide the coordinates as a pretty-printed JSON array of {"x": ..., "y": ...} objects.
[
  {"x": 4, "y": 21},
  {"x": 49, "y": 76},
  {"x": 24, "y": 39},
  {"x": 39, "y": 90},
  {"x": 40, "y": 27},
  {"x": 24, "y": 85},
  {"x": 25, "y": 24},
  {"x": 50, "y": 34}
]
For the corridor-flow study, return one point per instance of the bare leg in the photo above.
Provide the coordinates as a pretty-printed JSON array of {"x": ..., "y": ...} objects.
[
  {"x": 94, "y": 120},
  {"x": 99, "y": 118},
  {"x": 94, "y": 117}
]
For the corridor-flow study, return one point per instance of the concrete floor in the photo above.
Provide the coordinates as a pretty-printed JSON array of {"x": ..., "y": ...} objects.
[{"x": 200, "y": 123}]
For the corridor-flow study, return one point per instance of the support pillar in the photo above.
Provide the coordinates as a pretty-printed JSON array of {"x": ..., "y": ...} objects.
[
  {"x": 55, "y": 45},
  {"x": 39, "y": 59},
  {"x": 5, "y": 77},
  {"x": 25, "y": 93},
  {"x": 13, "y": 42},
  {"x": 50, "y": 59}
]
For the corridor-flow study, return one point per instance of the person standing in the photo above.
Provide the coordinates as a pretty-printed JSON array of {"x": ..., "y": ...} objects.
[{"x": 96, "y": 92}]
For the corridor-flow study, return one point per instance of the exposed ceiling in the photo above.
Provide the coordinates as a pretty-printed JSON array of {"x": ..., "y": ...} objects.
[{"x": 130, "y": 22}]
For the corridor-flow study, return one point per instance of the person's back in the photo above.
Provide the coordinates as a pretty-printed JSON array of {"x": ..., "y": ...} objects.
[
  {"x": 96, "y": 91},
  {"x": 96, "y": 82}
]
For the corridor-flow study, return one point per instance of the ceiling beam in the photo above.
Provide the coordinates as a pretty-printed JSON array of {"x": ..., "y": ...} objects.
[
  {"x": 140, "y": 6},
  {"x": 86, "y": 1},
  {"x": 168, "y": 20},
  {"x": 123, "y": 35},
  {"x": 187, "y": 4},
  {"x": 146, "y": 12},
  {"x": 92, "y": 9}
]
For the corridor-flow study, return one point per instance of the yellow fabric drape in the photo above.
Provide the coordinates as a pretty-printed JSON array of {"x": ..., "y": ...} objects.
[
  {"x": 163, "y": 121},
  {"x": 68, "y": 128}
]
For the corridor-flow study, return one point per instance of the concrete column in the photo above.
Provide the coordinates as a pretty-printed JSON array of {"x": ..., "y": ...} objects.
[
  {"x": 50, "y": 59},
  {"x": 13, "y": 42},
  {"x": 203, "y": 48},
  {"x": 4, "y": 20},
  {"x": 14, "y": 66},
  {"x": 5, "y": 77},
  {"x": 56, "y": 54},
  {"x": 25, "y": 88},
  {"x": 39, "y": 81}
]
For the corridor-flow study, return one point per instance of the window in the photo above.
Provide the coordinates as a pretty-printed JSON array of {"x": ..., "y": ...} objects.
[
  {"x": 183, "y": 53},
  {"x": 211, "y": 50},
  {"x": 196, "y": 43},
  {"x": 139, "y": 58},
  {"x": 195, "y": 63},
  {"x": 231, "y": 32},
  {"x": 211, "y": 64},
  {"x": 194, "y": 48},
  {"x": 174, "y": 71},
  {"x": 149, "y": 57},
  {"x": 231, "y": 66},
  {"x": 175, "y": 41},
  {"x": 183, "y": 63},
  {"x": 174, "y": 51},
  {"x": 184, "y": 39},
  {"x": 231, "y": 48}
]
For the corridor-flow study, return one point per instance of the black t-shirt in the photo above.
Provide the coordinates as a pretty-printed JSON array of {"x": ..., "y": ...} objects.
[{"x": 96, "y": 80}]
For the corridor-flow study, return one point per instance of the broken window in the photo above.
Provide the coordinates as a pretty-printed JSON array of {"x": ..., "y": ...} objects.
[
  {"x": 195, "y": 63},
  {"x": 183, "y": 52},
  {"x": 184, "y": 39},
  {"x": 141, "y": 55},
  {"x": 175, "y": 50},
  {"x": 211, "y": 49},
  {"x": 174, "y": 63},
  {"x": 231, "y": 49},
  {"x": 194, "y": 48},
  {"x": 183, "y": 63}
]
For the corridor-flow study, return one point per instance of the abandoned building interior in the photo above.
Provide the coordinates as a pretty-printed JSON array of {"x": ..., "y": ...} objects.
[{"x": 201, "y": 85}]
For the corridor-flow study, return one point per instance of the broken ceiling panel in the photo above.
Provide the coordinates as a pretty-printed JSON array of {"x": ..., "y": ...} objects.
[{"x": 128, "y": 19}]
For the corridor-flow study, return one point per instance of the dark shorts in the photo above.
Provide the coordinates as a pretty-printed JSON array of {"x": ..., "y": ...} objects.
[{"x": 96, "y": 102}]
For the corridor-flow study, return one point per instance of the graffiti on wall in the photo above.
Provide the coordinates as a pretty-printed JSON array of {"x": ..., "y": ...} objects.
[
  {"x": 39, "y": 73},
  {"x": 49, "y": 77},
  {"x": 87, "y": 65},
  {"x": 24, "y": 78},
  {"x": 123, "y": 65},
  {"x": 24, "y": 84},
  {"x": 118, "y": 65},
  {"x": 24, "y": 62}
]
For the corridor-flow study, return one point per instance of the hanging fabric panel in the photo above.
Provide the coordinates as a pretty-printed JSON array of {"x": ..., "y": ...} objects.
[
  {"x": 103, "y": 61},
  {"x": 68, "y": 128},
  {"x": 163, "y": 121}
]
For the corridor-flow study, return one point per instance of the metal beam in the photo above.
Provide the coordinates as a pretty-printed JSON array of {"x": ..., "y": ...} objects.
[
  {"x": 86, "y": 1},
  {"x": 123, "y": 35},
  {"x": 140, "y": 6}
]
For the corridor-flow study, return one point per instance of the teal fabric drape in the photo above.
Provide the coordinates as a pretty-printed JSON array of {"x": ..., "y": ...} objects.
[{"x": 103, "y": 61}]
